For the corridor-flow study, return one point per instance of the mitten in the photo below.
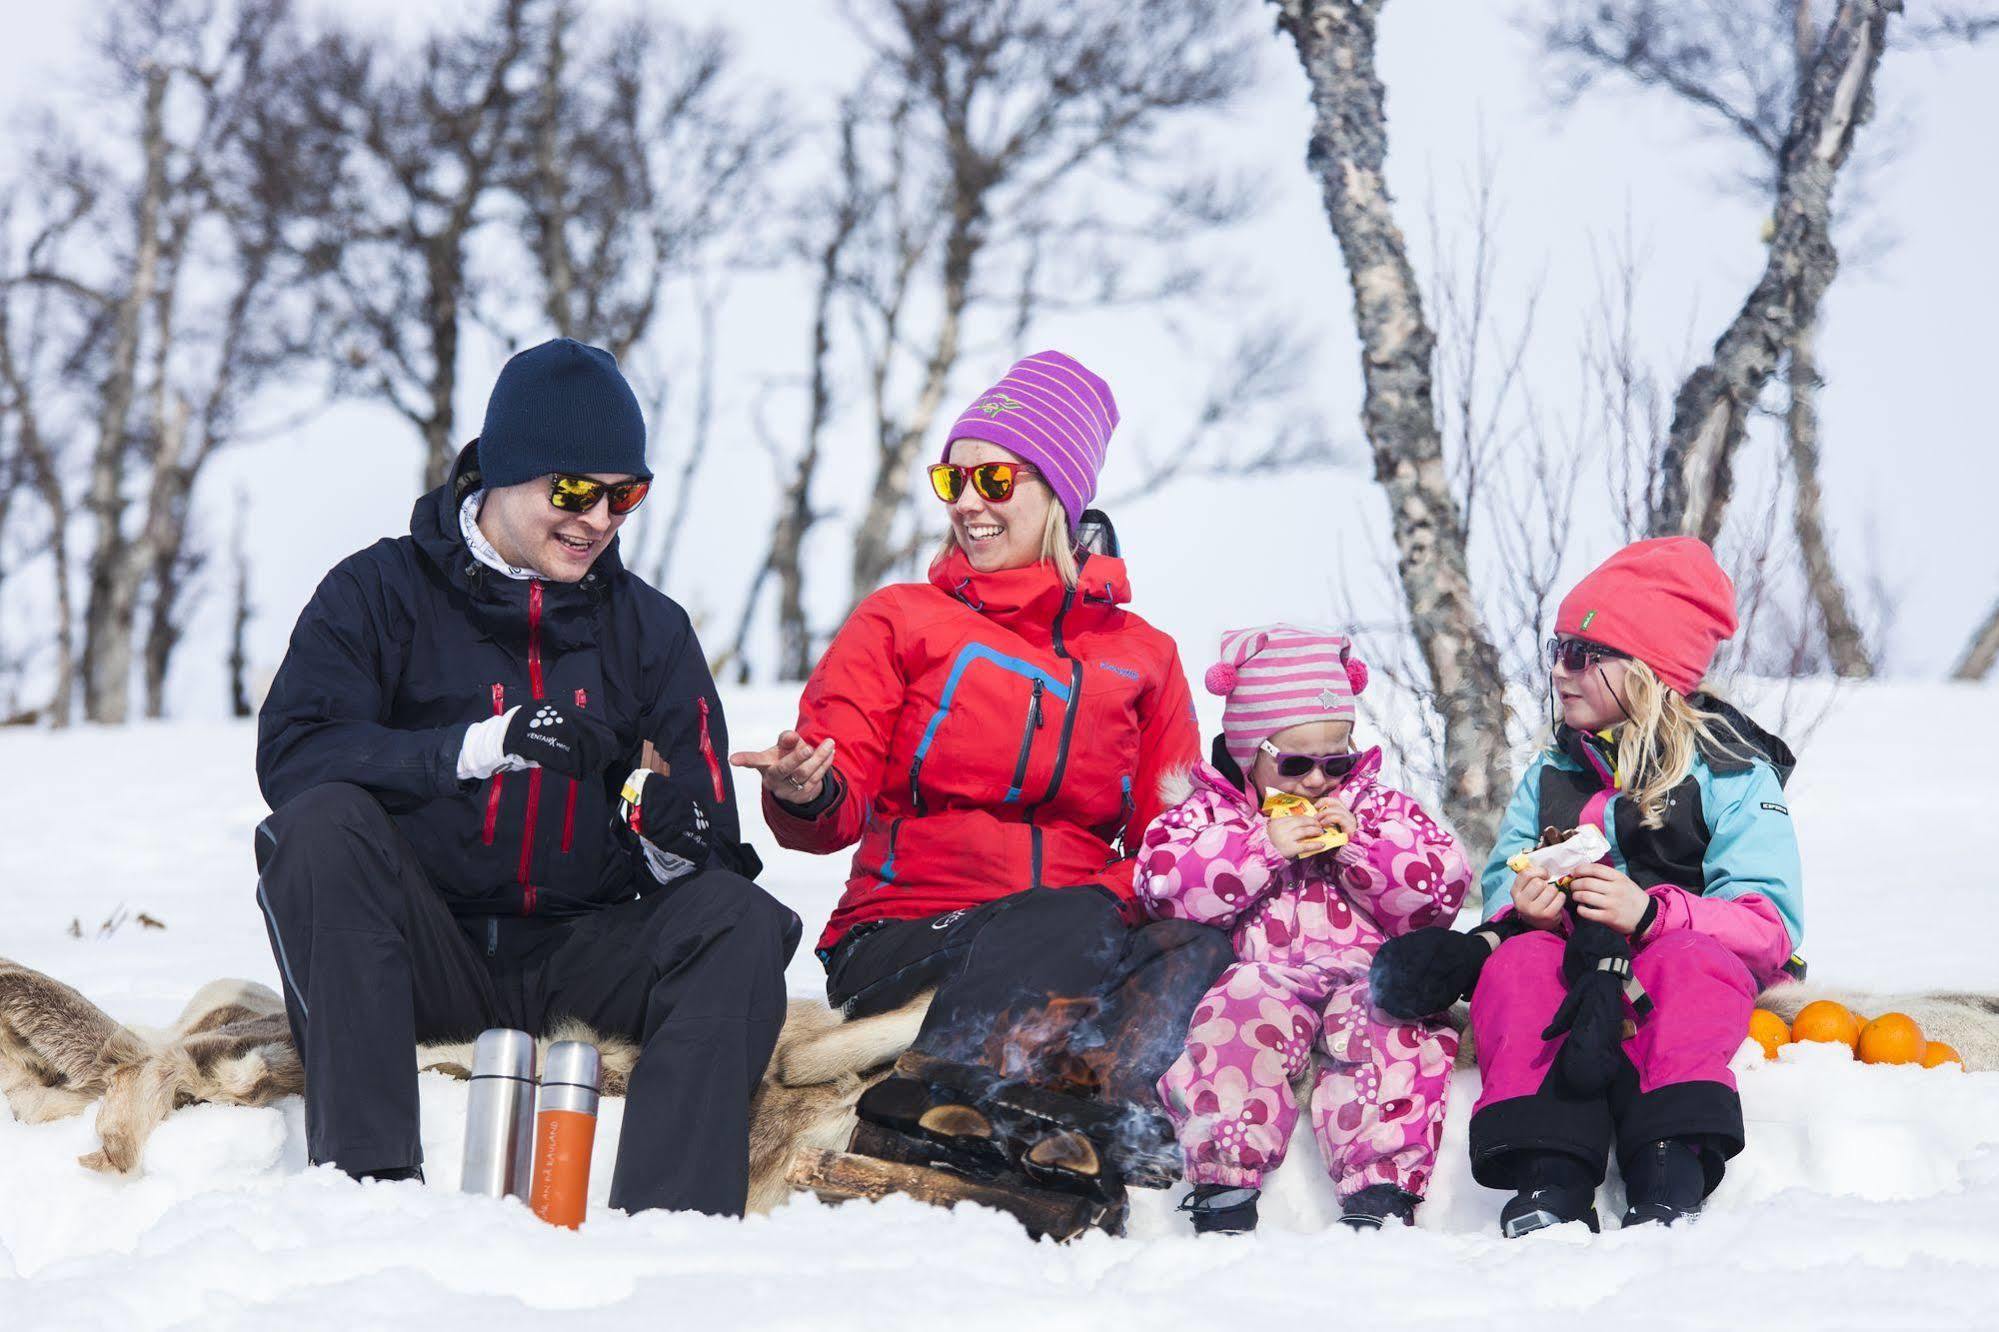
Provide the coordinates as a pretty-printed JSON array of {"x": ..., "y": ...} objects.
[
  {"x": 1596, "y": 964},
  {"x": 1425, "y": 971},
  {"x": 562, "y": 738}
]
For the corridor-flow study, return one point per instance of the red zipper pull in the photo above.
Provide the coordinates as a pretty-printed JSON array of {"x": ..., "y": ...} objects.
[{"x": 708, "y": 754}]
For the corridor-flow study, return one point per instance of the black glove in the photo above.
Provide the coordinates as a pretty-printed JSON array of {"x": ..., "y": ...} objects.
[
  {"x": 1424, "y": 972},
  {"x": 1596, "y": 964},
  {"x": 680, "y": 825},
  {"x": 564, "y": 739}
]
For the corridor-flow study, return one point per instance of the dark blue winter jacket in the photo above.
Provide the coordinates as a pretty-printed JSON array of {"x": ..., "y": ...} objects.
[{"x": 407, "y": 643}]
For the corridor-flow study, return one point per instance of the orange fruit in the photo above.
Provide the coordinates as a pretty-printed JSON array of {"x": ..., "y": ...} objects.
[
  {"x": 1936, "y": 1052},
  {"x": 1892, "y": 1038},
  {"x": 1824, "y": 1020},
  {"x": 1769, "y": 1031}
]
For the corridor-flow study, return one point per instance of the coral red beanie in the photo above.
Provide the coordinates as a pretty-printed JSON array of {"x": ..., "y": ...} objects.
[{"x": 1665, "y": 602}]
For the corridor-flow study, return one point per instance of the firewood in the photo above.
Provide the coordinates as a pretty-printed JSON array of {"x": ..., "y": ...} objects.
[{"x": 841, "y": 1176}]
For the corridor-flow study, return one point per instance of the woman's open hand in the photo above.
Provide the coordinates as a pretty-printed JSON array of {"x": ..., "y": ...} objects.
[{"x": 792, "y": 770}]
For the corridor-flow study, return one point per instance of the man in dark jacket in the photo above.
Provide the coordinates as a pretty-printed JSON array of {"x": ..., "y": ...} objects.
[{"x": 462, "y": 837}]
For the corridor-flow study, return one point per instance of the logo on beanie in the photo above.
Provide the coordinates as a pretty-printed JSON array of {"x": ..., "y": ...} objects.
[
  {"x": 998, "y": 403},
  {"x": 1586, "y": 619}
]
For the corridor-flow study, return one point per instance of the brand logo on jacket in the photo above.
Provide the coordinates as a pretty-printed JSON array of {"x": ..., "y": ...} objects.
[{"x": 1115, "y": 669}]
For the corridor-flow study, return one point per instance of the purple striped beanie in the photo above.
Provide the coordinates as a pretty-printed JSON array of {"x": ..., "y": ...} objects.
[
  {"x": 1281, "y": 675},
  {"x": 1053, "y": 413}
]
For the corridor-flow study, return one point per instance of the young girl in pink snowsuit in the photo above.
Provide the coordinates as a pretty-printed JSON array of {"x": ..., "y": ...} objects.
[
  {"x": 1306, "y": 924},
  {"x": 1610, "y": 1006}
]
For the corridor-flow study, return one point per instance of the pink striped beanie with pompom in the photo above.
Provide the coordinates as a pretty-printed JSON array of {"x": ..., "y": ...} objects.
[{"x": 1282, "y": 675}]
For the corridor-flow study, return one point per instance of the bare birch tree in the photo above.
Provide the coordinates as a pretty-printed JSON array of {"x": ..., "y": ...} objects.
[
  {"x": 1347, "y": 153},
  {"x": 170, "y": 326},
  {"x": 1000, "y": 129},
  {"x": 1710, "y": 413},
  {"x": 424, "y": 137},
  {"x": 1743, "y": 69}
]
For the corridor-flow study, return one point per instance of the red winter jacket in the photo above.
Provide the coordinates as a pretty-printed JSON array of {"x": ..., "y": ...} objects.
[{"x": 993, "y": 732}]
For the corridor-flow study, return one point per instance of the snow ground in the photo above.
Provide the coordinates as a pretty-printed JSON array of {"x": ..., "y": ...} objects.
[{"x": 1868, "y": 1197}]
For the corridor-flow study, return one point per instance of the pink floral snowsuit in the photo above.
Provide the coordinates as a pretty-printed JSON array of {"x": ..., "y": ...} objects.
[{"x": 1305, "y": 933}]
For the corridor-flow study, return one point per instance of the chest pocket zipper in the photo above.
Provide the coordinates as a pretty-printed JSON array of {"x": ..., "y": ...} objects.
[
  {"x": 569, "y": 805},
  {"x": 1034, "y": 723}
]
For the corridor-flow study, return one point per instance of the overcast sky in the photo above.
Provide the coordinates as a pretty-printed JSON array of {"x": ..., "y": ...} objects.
[{"x": 1908, "y": 348}]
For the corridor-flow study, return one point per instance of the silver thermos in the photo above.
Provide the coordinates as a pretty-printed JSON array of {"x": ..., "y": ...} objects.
[{"x": 499, "y": 1116}]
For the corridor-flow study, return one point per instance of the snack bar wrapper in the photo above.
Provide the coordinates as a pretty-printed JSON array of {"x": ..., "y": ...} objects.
[
  {"x": 1585, "y": 846},
  {"x": 1281, "y": 804}
]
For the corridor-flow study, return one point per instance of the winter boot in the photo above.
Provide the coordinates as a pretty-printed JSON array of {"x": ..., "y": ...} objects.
[
  {"x": 1221, "y": 1209},
  {"x": 1378, "y": 1204},
  {"x": 395, "y": 1176},
  {"x": 1663, "y": 1182},
  {"x": 1555, "y": 1188}
]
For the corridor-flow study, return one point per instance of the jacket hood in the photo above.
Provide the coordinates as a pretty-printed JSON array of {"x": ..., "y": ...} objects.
[{"x": 1748, "y": 736}]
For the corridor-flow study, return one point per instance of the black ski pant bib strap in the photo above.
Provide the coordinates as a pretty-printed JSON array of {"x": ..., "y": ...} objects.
[
  {"x": 997, "y": 967},
  {"x": 373, "y": 962}
]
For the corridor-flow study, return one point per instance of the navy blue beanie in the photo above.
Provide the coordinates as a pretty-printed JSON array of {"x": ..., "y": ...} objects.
[{"x": 561, "y": 407}]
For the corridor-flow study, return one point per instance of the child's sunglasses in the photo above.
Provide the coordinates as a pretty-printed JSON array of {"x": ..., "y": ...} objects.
[
  {"x": 579, "y": 494},
  {"x": 993, "y": 480},
  {"x": 1335, "y": 766},
  {"x": 1575, "y": 655}
]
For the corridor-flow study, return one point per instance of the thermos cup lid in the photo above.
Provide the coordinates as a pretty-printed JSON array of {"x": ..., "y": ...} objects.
[
  {"x": 501, "y": 1052},
  {"x": 573, "y": 1064}
]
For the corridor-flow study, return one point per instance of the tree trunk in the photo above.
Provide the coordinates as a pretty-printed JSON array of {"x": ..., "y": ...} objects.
[
  {"x": 1844, "y": 642},
  {"x": 239, "y": 620},
  {"x": 107, "y": 635},
  {"x": 876, "y": 548},
  {"x": 1712, "y": 406},
  {"x": 1348, "y": 151},
  {"x": 41, "y": 468},
  {"x": 446, "y": 271},
  {"x": 557, "y": 266},
  {"x": 1982, "y": 651}
]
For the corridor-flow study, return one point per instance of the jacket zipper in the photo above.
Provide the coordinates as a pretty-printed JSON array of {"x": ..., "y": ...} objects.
[
  {"x": 493, "y": 791},
  {"x": 888, "y": 862},
  {"x": 1034, "y": 721},
  {"x": 569, "y": 805},
  {"x": 534, "y": 774},
  {"x": 708, "y": 755}
]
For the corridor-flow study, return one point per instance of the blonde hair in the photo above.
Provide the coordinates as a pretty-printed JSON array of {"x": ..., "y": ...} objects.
[
  {"x": 1656, "y": 747},
  {"x": 1058, "y": 545}
]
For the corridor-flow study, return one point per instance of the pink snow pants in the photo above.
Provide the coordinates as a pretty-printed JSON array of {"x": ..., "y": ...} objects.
[
  {"x": 1378, "y": 1103},
  {"x": 1678, "y": 1084}
]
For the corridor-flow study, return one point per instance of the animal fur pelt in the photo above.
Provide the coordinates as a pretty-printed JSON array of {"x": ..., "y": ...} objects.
[
  {"x": 60, "y": 1053},
  {"x": 1967, "y": 1022}
]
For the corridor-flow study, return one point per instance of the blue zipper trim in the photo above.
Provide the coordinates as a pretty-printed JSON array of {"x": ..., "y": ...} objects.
[{"x": 973, "y": 652}]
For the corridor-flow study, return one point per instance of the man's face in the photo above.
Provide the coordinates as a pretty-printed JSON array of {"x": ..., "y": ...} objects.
[{"x": 532, "y": 533}]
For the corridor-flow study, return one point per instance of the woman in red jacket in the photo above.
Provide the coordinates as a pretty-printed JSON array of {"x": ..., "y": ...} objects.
[{"x": 993, "y": 740}]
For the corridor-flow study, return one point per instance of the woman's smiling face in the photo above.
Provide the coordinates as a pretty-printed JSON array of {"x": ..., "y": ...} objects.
[{"x": 1007, "y": 535}]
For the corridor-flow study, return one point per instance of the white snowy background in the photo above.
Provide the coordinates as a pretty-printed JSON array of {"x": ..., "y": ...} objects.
[{"x": 1868, "y": 1196}]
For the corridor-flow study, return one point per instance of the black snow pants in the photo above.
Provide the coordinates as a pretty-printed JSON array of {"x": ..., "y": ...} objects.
[
  {"x": 998, "y": 968},
  {"x": 373, "y": 961}
]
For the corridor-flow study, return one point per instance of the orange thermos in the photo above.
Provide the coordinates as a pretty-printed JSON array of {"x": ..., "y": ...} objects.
[{"x": 565, "y": 1129}]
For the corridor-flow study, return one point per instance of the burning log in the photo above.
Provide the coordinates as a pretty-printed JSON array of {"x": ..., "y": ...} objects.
[
  {"x": 1137, "y": 1141},
  {"x": 840, "y": 1176}
]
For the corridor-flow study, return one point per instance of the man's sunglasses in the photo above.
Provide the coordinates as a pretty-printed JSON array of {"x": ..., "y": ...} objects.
[
  {"x": 1335, "y": 766},
  {"x": 579, "y": 494},
  {"x": 993, "y": 480},
  {"x": 1575, "y": 655}
]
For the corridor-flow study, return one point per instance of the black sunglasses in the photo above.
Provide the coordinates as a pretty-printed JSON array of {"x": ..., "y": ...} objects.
[
  {"x": 1577, "y": 654},
  {"x": 1335, "y": 766}
]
